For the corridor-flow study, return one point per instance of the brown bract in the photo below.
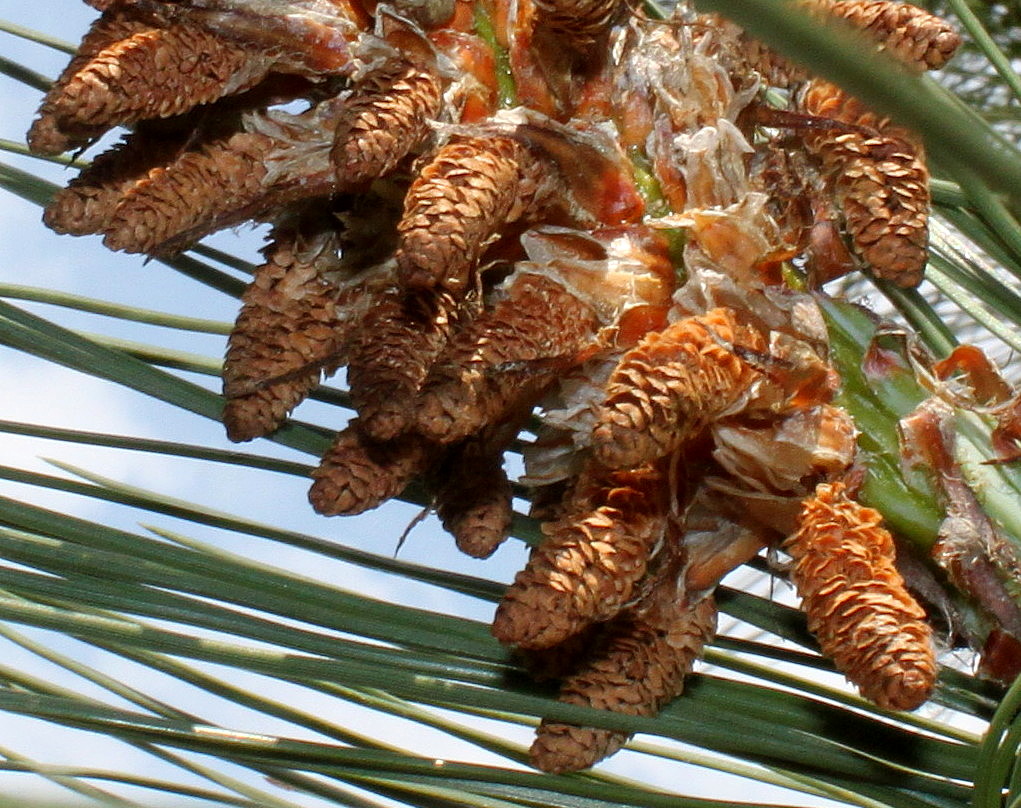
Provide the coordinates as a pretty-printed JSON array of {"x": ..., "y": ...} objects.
[
  {"x": 580, "y": 22},
  {"x": 971, "y": 547}
]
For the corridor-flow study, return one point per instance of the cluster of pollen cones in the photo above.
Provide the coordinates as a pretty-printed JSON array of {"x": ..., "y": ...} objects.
[{"x": 479, "y": 207}]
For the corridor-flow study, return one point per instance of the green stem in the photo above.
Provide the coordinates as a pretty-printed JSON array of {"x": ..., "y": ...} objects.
[
  {"x": 506, "y": 88},
  {"x": 38, "y": 36},
  {"x": 109, "y": 309}
]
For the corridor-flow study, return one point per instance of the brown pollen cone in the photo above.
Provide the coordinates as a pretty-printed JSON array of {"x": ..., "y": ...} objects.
[
  {"x": 591, "y": 560},
  {"x": 497, "y": 361},
  {"x": 470, "y": 189},
  {"x": 639, "y": 667},
  {"x": 474, "y": 497},
  {"x": 286, "y": 334},
  {"x": 399, "y": 340},
  {"x": 151, "y": 73},
  {"x": 384, "y": 118},
  {"x": 88, "y": 202},
  {"x": 671, "y": 384},
  {"x": 880, "y": 182},
  {"x": 908, "y": 33},
  {"x": 198, "y": 193},
  {"x": 856, "y": 602},
  {"x": 357, "y": 474},
  {"x": 50, "y": 132}
]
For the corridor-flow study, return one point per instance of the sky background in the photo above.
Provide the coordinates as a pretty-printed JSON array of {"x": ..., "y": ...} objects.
[{"x": 39, "y": 392}]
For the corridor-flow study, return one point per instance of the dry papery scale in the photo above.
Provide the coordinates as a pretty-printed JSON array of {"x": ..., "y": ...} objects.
[{"x": 483, "y": 207}]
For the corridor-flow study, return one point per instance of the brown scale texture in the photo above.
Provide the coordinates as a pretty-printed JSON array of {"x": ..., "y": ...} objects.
[
  {"x": 591, "y": 560},
  {"x": 198, "y": 193},
  {"x": 880, "y": 182},
  {"x": 856, "y": 602},
  {"x": 579, "y": 22},
  {"x": 386, "y": 117},
  {"x": 50, "y": 132},
  {"x": 88, "y": 202},
  {"x": 775, "y": 69},
  {"x": 910, "y": 34},
  {"x": 473, "y": 500},
  {"x": 399, "y": 340},
  {"x": 458, "y": 202},
  {"x": 496, "y": 361},
  {"x": 286, "y": 334},
  {"x": 357, "y": 474},
  {"x": 639, "y": 668},
  {"x": 155, "y": 73},
  {"x": 671, "y": 384}
]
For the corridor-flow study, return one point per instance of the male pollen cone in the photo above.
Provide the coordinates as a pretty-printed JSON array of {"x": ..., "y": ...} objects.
[
  {"x": 672, "y": 384},
  {"x": 196, "y": 194},
  {"x": 495, "y": 361},
  {"x": 856, "y": 602},
  {"x": 639, "y": 668},
  {"x": 357, "y": 474},
  {"x": 284, "y": 336},
  {"x": 400, "y": 338},
  {"x": 474, "y": 501},
  {"x": 149, "y": 73},
  {"x": 591, "y": 560},
  {"x": 52, "y": 134},
  {"x": 880, "y": 181},
  {"x": 384, "y": 118},
  {"x": 909, "y": 33},
  {"x": 88, "y": 203},
  {"x": 463, "y": 197}
]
